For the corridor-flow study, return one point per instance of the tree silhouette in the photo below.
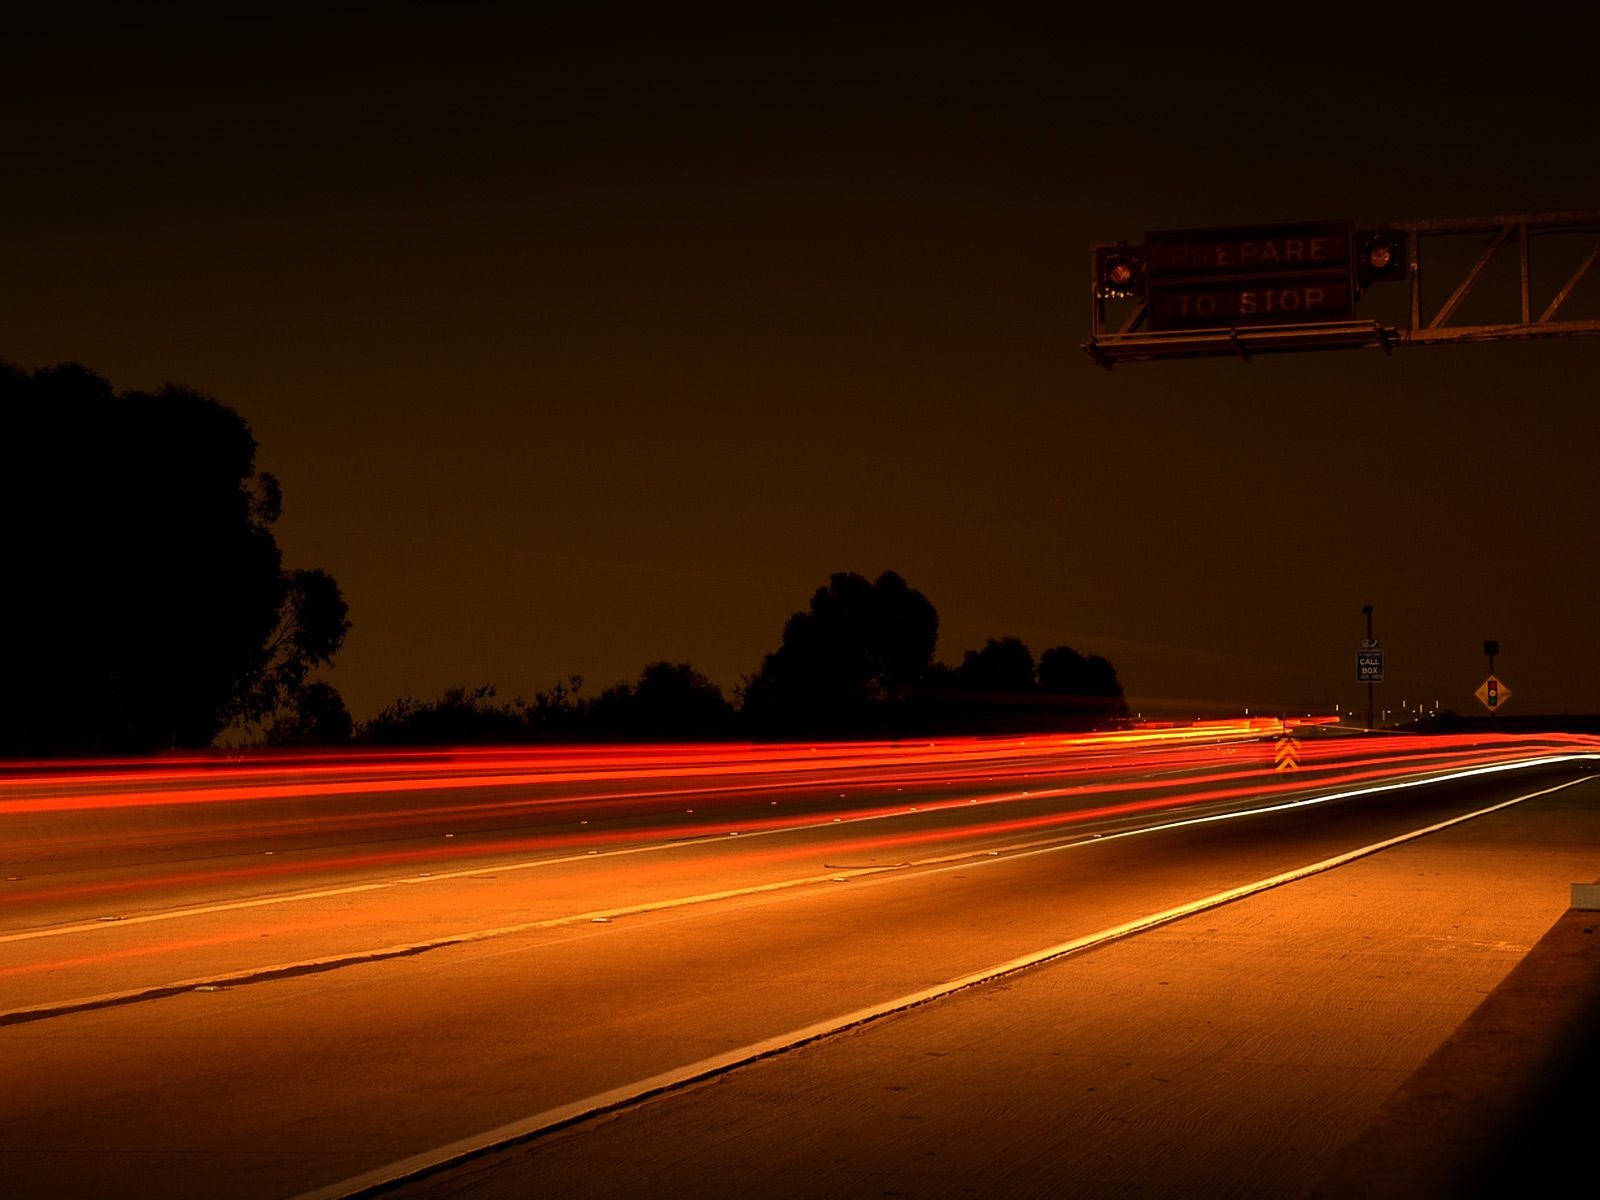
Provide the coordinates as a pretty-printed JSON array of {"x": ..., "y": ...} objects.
[
  {"x": 1091, "y": 681},
  {"x": 1004, "y": 665},
  {"x": 145, "y": 585},
  {"x": 673, "y": 700},
  {"x": 557, "y": 714},
  {"x": 1000, "y": 689},
  {"x": 312, "y": 623},
  {"x": 318, "y": 718},
  {"x": 670, "y": 701},
  {"x": 459, "y": 717},
  {"x": 844, "y": 661}
]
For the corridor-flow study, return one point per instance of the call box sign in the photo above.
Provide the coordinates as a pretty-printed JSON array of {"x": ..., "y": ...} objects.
[{"x": 1251, "y": 275}]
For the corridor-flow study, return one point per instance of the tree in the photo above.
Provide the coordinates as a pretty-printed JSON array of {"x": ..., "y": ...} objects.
[
  {"x": 318, "y": 718},
  {"x": 670, "y": 700},
  {"x": 458, "y": 717},
  {"x": 844, "y": 661},
  {"x": 558, "y": 713},
  {"x": 1090, "y": 680},
  {"x": 312, "y": 622},
  {"x": 145, "y": 583},
  {"x": 1000, "y": 689},
  {"x": 1004, "y": 665}
]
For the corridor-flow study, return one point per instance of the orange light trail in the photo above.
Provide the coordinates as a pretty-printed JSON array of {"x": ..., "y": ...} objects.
[
  {"x": 448, "y": 804},
  {"x": 183, "y": 838}
]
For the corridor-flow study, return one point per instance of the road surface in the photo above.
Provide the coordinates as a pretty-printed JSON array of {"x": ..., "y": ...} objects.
[{"x": 214, "y": 983}]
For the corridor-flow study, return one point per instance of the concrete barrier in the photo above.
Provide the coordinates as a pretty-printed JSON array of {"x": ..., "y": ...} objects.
[{"x": 1586, "y": 896}]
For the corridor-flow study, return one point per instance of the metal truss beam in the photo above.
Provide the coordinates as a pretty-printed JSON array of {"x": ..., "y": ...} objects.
[{"x": 1500, "y": 309}]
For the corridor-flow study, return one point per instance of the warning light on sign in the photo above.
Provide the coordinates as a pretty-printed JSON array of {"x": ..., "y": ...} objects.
[
  {"x": 1382, "y": 257},
  {"x": 1119, "y": 273}
]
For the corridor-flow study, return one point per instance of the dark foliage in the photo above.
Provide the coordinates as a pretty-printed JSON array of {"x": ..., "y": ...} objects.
[
  {"x": 670, "y": 701},
  {"x": 459, "y": 717},
  {"x": 845, "y": 662},
  {"x": 319, "y": 718},
  {"x": 1005, "y": 665},
  {"x": 1064, "y": 671},
  {"x": 999, "y": 689},
  {"x": 146, "y": 606},
  {"x": 859, "y": 662}
]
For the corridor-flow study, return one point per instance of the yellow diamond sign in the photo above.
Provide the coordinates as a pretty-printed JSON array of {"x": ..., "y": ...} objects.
[{"x": 1492, "y": 693}]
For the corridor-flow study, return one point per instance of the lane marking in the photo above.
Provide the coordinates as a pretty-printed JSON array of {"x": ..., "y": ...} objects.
[{"x": 384, "y": 1178}]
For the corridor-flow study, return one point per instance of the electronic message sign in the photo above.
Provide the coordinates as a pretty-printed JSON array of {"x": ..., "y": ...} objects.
[{"x": 1250, "y": 275}]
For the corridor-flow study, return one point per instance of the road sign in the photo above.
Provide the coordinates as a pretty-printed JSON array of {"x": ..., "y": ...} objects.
[
  {"x": 1369, "y": 666},
  {"x": 1492, "y": 693},
  {"x": 1228, "y": 304},
  {"x": 1197, "y": 279},
  {"x": 1250, "y": 275},
  {"x": 1286, "y": 757},
  {"x": 1245, "y": 250}
]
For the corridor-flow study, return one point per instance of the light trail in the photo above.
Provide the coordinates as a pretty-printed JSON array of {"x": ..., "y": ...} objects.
[
  {"x": 449, "y": 805},
  {"x": 962, "y": 859},
  {"x": 1107, "y": 778},
  {"x": 36, "y": 787},
  {"x": 68, "y": 787}
]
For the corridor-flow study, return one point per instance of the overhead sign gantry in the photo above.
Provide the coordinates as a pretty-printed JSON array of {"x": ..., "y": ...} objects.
[{"x": 1248, "y": 290}]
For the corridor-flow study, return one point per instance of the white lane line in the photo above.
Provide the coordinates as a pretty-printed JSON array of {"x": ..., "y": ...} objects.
[{"x": 429, "y": 1162}]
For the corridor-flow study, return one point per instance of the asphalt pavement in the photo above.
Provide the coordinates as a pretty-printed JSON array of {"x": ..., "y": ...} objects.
[{"x": 1420, "y": 1023}]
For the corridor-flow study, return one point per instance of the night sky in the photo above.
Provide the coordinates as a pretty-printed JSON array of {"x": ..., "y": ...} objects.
[{"x": 590, "y": 338}]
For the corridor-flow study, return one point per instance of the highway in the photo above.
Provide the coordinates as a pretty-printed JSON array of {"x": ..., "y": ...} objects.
[{"x": 287, "y": 977}]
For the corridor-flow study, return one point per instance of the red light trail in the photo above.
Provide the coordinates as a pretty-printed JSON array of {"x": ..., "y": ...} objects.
[
  {"x": 610, "y": 781},
  {"x": 382, "y": 811}
]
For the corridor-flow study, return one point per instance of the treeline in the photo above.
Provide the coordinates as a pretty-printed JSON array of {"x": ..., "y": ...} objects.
[
  {"x": 146, "y": 604},
  {"x": 858, "y": 662},
  {"x": 148, "y": 608}
]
